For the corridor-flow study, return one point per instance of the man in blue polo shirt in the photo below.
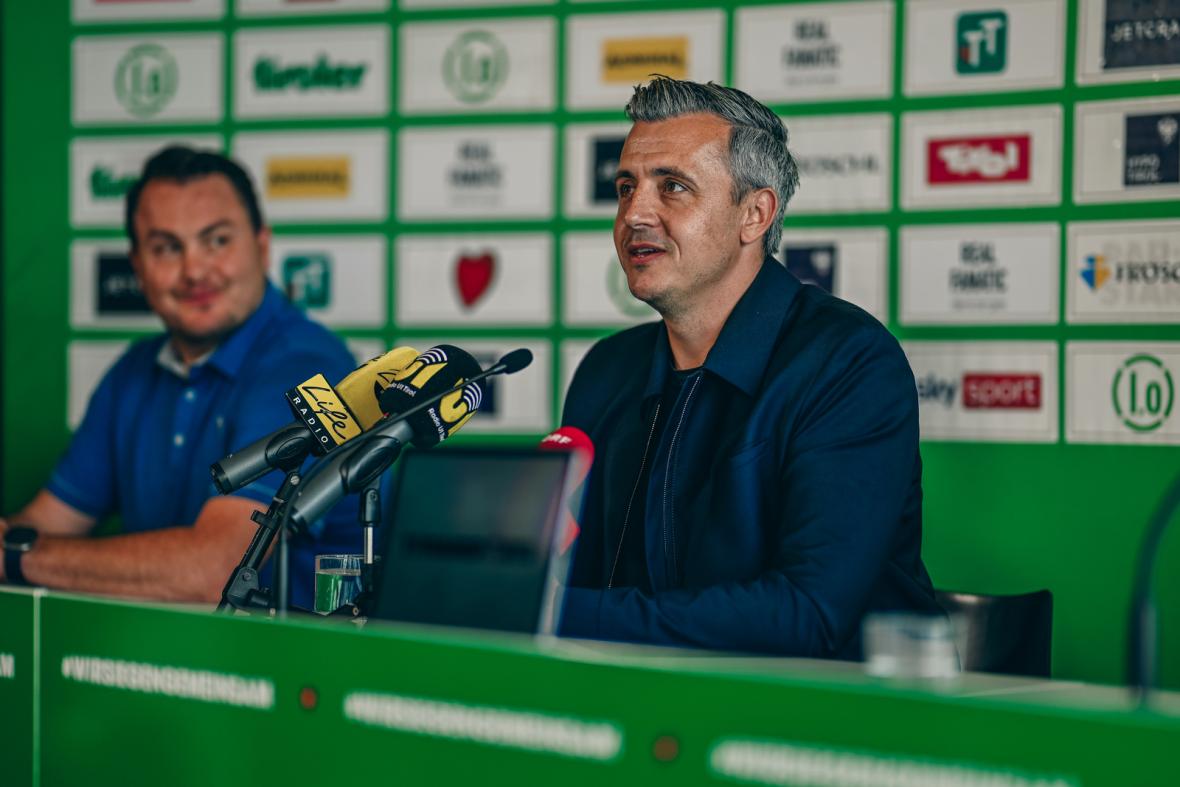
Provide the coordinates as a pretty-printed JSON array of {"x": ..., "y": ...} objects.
[
  {"x": 174, "y": 404},
  {"x": 757, "y": 485}
]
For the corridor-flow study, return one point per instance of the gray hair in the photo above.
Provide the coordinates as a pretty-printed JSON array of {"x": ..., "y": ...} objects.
[{"x": 758, "y": 154}]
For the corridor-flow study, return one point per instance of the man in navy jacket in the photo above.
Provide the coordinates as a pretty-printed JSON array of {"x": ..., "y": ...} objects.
[{"x": 758, "y": 483}]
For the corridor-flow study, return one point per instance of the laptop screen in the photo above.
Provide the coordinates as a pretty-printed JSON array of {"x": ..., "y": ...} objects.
[{"x": 470, "y": 537}]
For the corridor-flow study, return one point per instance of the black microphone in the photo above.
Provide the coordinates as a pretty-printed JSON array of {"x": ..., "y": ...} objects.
[
  {"x": 427, "y": 401},
  {"x": 326, "y": 417}
]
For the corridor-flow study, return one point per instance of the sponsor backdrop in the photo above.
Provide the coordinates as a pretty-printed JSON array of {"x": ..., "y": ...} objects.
[{"x": 998, "y": 181}]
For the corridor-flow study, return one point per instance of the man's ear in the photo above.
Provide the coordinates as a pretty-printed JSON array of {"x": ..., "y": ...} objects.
[
  {"x": 760, "y": 209},
  {"x": 262, "y": 239}
]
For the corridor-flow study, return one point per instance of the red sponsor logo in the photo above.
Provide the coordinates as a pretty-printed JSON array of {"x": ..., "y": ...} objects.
[
  {"x": 473, "y": 276},
  {"x": 979, "y": 159},
  {"x": 1002, "y": 391}
]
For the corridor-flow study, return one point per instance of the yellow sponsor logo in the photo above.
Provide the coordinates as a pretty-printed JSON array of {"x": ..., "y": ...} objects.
[
  {"x": 321, "y": 408},
  {"x": 630, "y": 60},
  {"x": 304, "y": 177},
  {"x": 455, "y": 410}
]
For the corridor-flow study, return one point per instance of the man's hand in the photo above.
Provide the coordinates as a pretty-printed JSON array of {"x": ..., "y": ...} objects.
[{"x": 172, "y": 564}]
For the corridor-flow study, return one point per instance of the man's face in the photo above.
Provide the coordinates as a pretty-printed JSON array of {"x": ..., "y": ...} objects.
[
  {"x": 677, "y": 228},
  {"x": 200, "y": 263}
]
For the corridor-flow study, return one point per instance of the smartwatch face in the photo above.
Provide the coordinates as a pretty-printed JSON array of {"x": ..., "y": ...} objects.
[{"x": 20, "y": 538}]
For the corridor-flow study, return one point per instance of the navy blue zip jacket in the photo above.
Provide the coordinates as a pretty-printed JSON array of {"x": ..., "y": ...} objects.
[{"x": 783, "y": 498}]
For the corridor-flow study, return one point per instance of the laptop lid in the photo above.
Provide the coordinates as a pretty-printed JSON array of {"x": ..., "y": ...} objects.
[{"x": 470, "y": 540}]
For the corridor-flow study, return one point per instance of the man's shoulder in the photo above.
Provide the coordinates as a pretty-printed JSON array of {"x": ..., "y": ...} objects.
[
  {"x": 831, "y": 323},
  {"x": 618, "y": 353},
  {"x": 293, "y": 338}
]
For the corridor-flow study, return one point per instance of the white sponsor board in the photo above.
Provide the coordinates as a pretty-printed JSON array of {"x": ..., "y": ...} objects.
[
  {"x": 469, "y": 3},
  {"x": 147, "y": 79},
  {"x": 981, "y": 46},
  {"x": 312, "y": 72},
  {"x": 364, "y": 350},
  {"x": 608, "y": 54},
  {"x": 572, "y": 353},
  {"x": 981, "y": 158},
  {"x": 815, "y": 51},
  {"x": 845, "y": 163},
  {"x": 473, "y": 66},
  {"x": 1141, "y": 44},
  {"x": 87, "y": 362},
  {"x": 329, "y": 175},
  {"x": 979, "y": 273},
  {"x": 1126, "y": 151},
  {"x": 518, "y": 403},
  {"x": 468, "y": 172},
  {"x": 339, "y": 280},
  {"x": 1123, "y": 272},
  {"x": 852, "y": 264},
  {"x": 594, "y": 287},
  {"x": 591, "y": 160},
  {"x": 307, "y": 7},
  {"x": 484, "y": 279},
  {"x": 103, "y": 168},
  {"x": 1122, "y": 392},
  {"x": 104, "y": 292},
  {"x": 986, "y": 391},
  {"x": 146, "y": 10}
]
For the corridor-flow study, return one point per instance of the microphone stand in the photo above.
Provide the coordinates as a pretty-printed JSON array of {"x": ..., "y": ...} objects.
[{"x": 242, "y": 591}]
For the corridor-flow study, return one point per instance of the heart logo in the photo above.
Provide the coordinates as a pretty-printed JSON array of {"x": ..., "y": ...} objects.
[{"x": 473, "y": 276}]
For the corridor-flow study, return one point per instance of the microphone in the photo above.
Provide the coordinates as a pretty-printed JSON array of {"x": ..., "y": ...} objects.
[
  {"x": 574, "y": 440},
  {"x": 326, "y": 417},
  {"x": 428, "y": 400}
]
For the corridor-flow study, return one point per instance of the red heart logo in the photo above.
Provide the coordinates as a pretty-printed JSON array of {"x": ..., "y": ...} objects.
[{"x": 473, "y": 276}]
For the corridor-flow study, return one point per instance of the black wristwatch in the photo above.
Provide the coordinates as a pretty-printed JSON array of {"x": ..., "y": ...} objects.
[{"x": 17, "y": 541}]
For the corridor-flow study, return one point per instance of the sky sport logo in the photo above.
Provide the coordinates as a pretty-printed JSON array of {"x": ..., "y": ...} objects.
[
  {"x": 994, "y": 391},
  {"x": 146, "y": 79},
  {"x": 475, "y": 66},
  {"x": 1142, "y": 393},
  {"x": 981, "y": 43},
  {"x": 1000, "y": 159}
]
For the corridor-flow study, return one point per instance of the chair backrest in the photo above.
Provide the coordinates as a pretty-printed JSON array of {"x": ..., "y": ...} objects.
[{"x": 1012, "y": 635}]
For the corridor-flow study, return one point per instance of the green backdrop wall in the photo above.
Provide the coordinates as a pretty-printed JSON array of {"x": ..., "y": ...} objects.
[{"x": 513, "y": 98}]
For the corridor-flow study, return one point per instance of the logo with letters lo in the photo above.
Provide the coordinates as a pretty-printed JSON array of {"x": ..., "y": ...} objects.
[
  {"x": 1142, "y": 392},
  {"x": 475, "y": 66},
  {"x": 146, "y": 79}
]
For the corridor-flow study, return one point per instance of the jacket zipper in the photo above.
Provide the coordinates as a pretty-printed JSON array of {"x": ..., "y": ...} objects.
[
  {"x": 669, "y": 507},
  {"x": 627, "y": 516}
]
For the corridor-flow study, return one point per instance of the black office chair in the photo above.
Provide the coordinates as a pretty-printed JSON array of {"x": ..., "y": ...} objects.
[{"x": 1012, "y": 635}]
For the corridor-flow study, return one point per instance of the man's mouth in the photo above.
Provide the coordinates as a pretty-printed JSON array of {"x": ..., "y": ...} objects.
[
  {"x": 199, "y": 298},
  {"x": 643, "y": 252}
]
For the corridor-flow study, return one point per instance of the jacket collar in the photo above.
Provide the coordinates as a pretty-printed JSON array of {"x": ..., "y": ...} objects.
[{"x": 742, "y": 350}]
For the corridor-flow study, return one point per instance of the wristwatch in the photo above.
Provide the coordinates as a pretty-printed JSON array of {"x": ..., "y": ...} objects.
[{"x": 17, "y": 541}]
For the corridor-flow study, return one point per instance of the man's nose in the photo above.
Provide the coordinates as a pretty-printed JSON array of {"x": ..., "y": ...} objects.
[
  {"x": 640, "y": 209},
  {"x": 194, "y": 263}
]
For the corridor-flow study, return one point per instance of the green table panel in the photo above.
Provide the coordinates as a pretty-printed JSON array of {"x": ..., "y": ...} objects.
[{"x": 153, "y": 695}]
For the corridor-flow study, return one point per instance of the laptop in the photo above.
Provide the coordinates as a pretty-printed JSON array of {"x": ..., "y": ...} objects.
[{"x": 472, "y": 539}]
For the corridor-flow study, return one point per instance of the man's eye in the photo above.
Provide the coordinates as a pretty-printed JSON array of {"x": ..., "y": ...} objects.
[
  {"x": 625, "y": 189},
  {"x": 673, "y": 186},
  {"x": 164, "y": 249},
  {"x": 219, "y": 241}
]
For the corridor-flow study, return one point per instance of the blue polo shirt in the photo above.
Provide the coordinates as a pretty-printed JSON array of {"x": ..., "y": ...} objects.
[{"x": 150, "y": 433}]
